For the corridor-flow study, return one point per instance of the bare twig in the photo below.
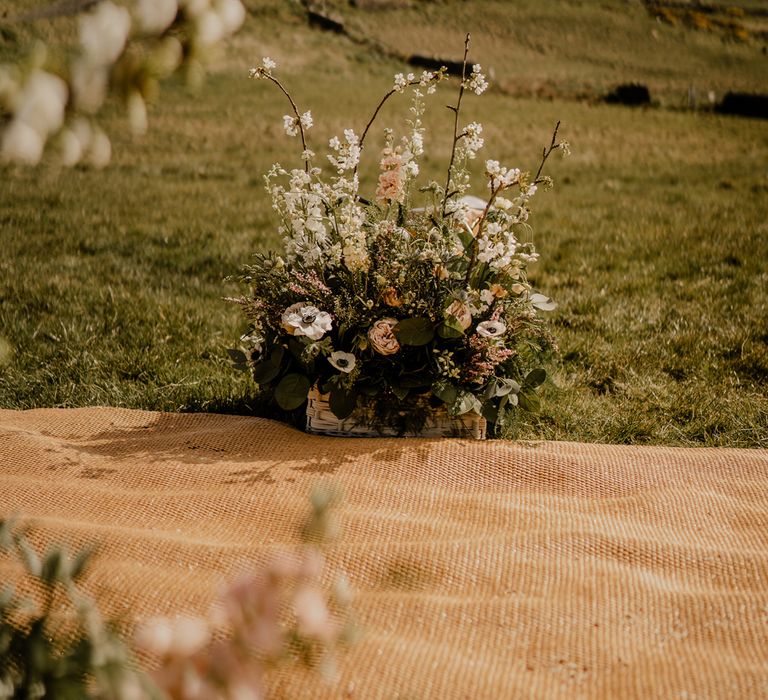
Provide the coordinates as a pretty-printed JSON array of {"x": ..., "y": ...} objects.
[
  {"x": 296, "y": 112},
  {"x": 455, "y": 111},
  {"x": 546, "y": 153},
  {"x": 378, "y": 109}
]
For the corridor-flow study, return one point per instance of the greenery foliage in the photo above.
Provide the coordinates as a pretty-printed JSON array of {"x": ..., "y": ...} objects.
[{"x": 44, "y": 653}]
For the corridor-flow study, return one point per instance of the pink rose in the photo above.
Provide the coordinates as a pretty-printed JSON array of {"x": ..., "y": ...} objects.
[{"x": 382, "y": 338}]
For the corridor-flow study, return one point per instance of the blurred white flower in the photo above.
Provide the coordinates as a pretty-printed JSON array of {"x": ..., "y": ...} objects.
[
  {"x": 342, "y": 361},
  {"x": 210, "y": 28},
  {"x": 100, "y": 152},
  {"x": 167, "y": 56},
  {"x": 312, "y": 617},
  {"x": 104, "y": 31},
  {"x": 155, "y": 16},
  {"x": 89, "y": 84},
  {"x": 21, "y": 144},
  {"x": 71, "y": 150},
  {"x": 194, "y": 8},
  {"x": 41, "y": 102},
  {"x": 232, "y": 14},
  {"x": 137, "y": 113}
]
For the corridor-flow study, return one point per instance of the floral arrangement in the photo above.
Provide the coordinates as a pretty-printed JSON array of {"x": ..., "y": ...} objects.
[{"x": 417, "y": 296}]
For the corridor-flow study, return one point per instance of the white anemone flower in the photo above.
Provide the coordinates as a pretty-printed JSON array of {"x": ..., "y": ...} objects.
[
  {"x": 491, "y": 329},
  {"x": 342, "y": 361},
  {"x": 304, "y": 319}
]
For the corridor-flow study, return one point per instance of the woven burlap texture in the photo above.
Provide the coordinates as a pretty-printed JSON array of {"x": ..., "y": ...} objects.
[{"x": 482, "y": 570}]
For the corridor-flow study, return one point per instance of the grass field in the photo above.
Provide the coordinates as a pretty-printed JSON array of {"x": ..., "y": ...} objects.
[{"x": 654, "y": 241}]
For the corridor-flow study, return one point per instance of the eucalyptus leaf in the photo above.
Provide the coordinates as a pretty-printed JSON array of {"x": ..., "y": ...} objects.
[
  {"x": 265, "y": 371},
  {"x": 490, "y": 412},
  {"x": 506, "y": 386},
  {"x": 414, "y": 331},
  {"x": 536, "y": 377},
  {"x": 342, "y": 402},
  {"x": 238, "y": 358},
  {"x": 529, "y": 401},
  {"x": 291, "y": 392},
  {"x": 465, "y": 404},
  {"x": 445, "y": 391},
  {"x": 542, "y": 302}
]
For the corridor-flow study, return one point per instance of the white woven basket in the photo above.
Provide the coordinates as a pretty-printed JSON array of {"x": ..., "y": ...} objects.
[{"x": 321, "y": 420}]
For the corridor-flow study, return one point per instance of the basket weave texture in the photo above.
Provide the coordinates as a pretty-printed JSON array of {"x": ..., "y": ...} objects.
[
  {"x": 487, "y": 569},
  {"x": 439, "y": 423}
]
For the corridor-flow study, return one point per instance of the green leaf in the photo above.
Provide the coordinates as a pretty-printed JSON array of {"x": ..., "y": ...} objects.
[
  {"x": 490, "y": 412},
  {"x": 414, "y": 381},
  {"x": 414, "y": 331},
  {"x": 237, "y": 356},
  {"x": 465, "y": 237},
  {"x": 30, "y": 558},
  {"x": 465, "y": 403},
  {"x": 291, "y": 392},
  {"x": 535, "y": 377},
  {"x": 266, "y": 371},
  {"x": 7, "y": 594},
  {"x": 450, "y": 328},
  {"x": 342, "y": 402},
  {"x": 445, "y": 391},
  {"x": 400, "y": 391},
  {"x": 81, "y": 561},
  {"x": 54, "y": 568},
  {"x": 506, "y": 386},
  {"x": 529, "y": 401}
]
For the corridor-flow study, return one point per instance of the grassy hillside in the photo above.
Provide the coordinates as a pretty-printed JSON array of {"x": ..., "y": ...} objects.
[{"x": 653, "y": 242}]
